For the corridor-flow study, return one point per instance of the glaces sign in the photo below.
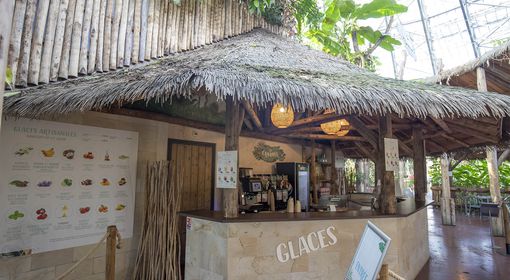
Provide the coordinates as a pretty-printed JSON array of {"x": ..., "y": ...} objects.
[{"x": 305, "y": 244}]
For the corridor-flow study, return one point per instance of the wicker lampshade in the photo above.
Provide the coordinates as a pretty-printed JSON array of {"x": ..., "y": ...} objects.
[
  {"x": 336, "y": 127},
  {"x": 281, "y": 116},
  {"x": 344, "y": 128}
]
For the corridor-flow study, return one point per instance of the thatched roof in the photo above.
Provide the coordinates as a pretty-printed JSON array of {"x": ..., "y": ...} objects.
[
  {"x": 497, "y": 70},
  {"x": 259, "y": 67}
]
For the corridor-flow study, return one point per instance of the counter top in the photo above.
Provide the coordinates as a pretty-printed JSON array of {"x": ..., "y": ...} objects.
[{"x": 404, "y": 209}]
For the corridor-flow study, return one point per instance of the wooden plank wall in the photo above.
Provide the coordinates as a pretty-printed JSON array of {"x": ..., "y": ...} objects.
[{"x": 55, "y": 40}]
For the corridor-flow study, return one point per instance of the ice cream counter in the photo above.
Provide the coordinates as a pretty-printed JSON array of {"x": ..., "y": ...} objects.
[{"x": 306, "y": 245}]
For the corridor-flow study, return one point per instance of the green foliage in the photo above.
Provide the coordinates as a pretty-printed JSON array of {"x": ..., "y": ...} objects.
[
  {"x": 259, "y": 6},
  {"x": 471, "y": 174}
]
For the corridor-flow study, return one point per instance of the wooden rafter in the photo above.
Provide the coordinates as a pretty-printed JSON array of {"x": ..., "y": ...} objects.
[
  {"x": 364, "y": 131},
  {"x": 253, "y": 115},
  {"x": 366, "y": 151},
  {"x": 327, "y": 137},
  {"x": 442, "y": 124}
]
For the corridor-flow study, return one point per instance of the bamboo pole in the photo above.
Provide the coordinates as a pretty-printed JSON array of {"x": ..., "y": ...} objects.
[
  {"x": 101, "y": 35},
  {"x": 37, "y": 42},
  {"x": 86, "y": 33},
  {"x": 74, "y": 55},
  {"x": 15, "y": 37},
  {"x": 169, "y": 28},
  {"x": 210, "y": 16},
  {"x": 174, "y": 45},
  {"x": 56, "y": 54},
  {"x": 49, "y": 39},
  {"x": 6, "y": 22},
  {"x": 155, "y": 30},
  {"x": 182, "y": 26},
  {"x": 163, "y": 17},
  {"x": 150, "y": 27},
  {"x": 121, "y": 46},
  {"x": 107, "y": 36},
  {"x": 94, "y": 29},
  {"x": 26, "y": 40},
  {"x": 114, "y": 43},
  {"x": 110, "y": 253},
  {"x": 228, "y": 18},
  {"x": 191, "y": 22},
  {"x": 137, "y": 23},
  {"x": 222, "y": 5},
  {"x": 196, "y": 24},
  {"x": 143, "y": 30},
  {"x": 129, "y": 33}
]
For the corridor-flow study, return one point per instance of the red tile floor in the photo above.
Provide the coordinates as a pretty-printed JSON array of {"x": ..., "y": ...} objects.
[{"x": 463, "y": 252}]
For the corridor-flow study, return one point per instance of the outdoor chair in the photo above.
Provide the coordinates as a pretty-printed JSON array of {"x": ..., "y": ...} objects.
[{"x": 473, "y": 204}]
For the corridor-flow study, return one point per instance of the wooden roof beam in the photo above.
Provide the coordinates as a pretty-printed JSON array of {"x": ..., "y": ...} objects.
[
  {"x": 366, "y": 152},
  {"x": 327, "y": 137},
  {"x": 364, "y": 131},
  {"x": 253, "y": 115},
  {"x": 442, "y": 124}
]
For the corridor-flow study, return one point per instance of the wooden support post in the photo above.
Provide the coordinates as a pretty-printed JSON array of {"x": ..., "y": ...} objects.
[
  {"x": 494, "y": 188},
  {"x": 334, "y": 175},
  {"x": 387, "y": 199},
  {"x": 315, "y": 195},
  {"x": 232, "y": 131},
  {"x": 111, "y": 242},
  {"x": 384, "y": 273},
  {"x": 5, "y": 32},
  {"x": 420, "y": 165},
  {"x": 447, "y": 203},
  {"x": 506, "y": 221}
]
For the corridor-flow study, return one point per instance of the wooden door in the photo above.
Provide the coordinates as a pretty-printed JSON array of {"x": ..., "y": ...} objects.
[{"x": 197, "y": 161}]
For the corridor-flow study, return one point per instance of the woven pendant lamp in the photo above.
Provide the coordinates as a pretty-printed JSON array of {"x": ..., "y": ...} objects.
[
  {"x": 282, "y": 116},
  {"x": 336, "y": 127}
]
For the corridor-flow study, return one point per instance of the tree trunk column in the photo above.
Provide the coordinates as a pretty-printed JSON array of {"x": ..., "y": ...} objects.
[
  {"x": 447, "y": 203},
  {"x": 419, "y": 165},
  {"x": 387, "y": 200},
  {"x": 233, "y": 123},
  {"x": 494, "y": 187}
]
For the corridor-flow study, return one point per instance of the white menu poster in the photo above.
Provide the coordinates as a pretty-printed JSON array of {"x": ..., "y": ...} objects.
[
  {"x": 391, "y": 154},
  {"x": 226, "y": 170},
  {"x": 61, "y": 185}
]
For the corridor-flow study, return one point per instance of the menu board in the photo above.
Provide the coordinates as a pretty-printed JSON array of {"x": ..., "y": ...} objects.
[
  {"x": 61, "y": 185},
  {"x": 391, "y": 154},
  {"x": 226, "y": 173}
]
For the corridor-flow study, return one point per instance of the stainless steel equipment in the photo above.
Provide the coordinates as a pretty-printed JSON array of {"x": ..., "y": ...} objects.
[{"x": 299, "y": 177}]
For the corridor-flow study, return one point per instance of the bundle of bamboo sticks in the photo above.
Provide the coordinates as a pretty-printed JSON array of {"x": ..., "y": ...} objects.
[{"x": 159, "y": 248}]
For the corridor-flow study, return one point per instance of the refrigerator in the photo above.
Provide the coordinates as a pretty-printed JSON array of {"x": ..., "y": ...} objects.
[{"x": 299, "y": 177}]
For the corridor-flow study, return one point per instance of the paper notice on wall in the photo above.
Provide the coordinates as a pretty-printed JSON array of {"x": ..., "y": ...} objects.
[
  {"x": 61, "y": 185},
  {"x": 226, "y": 170},
  {"x": 391, "y": 154}
]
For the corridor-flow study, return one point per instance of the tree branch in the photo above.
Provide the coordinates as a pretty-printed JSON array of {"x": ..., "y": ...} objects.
[{"x": 379, "y": 41}]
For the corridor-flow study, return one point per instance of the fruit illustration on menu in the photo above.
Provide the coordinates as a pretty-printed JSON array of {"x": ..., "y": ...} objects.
[
  {"x": 41, "y": 214},
  {"x": 84, "y": 210},
  {"x": 66, "y": 182},
  {"x": 88, "y": 155},
  {"x": 104, "y": 182},
  {"x": 48, "y": 152},
  {"x": 16, "y": 215},
  {"x": 86, "y": 182},
  {"x": 64, "y": 211},
  {"x": 23, "y": 151},
  {"x": 44, "y": 184},
  {"x": 120, "y": 207},
  {"x": 102, "y": 209},
  {"x": 19, "y": 183},
  {"x": 69, "y": 153},
  {"x": 122, "y": 181}
]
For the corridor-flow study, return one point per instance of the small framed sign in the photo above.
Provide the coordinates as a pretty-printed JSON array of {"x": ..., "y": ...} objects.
[
  {"x": 226, "y": 170},
  {"x": 369, "y": 255},
  {"x": 391, "y": 154}
]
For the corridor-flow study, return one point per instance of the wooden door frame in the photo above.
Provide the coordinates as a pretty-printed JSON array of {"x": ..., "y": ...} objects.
[{"x": 196, "y": 143}]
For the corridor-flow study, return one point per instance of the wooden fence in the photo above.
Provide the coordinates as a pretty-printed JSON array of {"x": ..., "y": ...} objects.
[{"x": 53, "y": 40}]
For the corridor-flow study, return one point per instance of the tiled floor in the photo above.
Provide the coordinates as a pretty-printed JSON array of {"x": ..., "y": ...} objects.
[{"x": 463, "y": 251}]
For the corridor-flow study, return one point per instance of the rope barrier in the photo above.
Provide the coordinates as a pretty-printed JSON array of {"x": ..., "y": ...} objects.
[
  {"x": 393, "y": 275},
  {"x": 90, "y": 252}
]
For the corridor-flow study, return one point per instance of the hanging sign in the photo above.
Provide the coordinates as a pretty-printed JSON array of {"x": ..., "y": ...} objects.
[
  {"x": 226, "y": 170},
  {"x": 391, "y": 154},
  {"x": 369, "y": 255},
  {"x": 61, "y": 185}
]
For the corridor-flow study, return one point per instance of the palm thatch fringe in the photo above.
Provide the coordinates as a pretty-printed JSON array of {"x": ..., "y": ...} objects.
[
  {"x": 500, "y": 52},
  {"x": 259, "y": 67}
]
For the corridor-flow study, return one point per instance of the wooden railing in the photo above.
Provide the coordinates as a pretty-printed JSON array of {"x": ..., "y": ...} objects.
[{"x": 60, "y": 39}]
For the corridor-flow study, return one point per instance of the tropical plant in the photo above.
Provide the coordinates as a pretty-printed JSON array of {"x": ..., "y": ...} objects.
[
  {"x": 471, "y": 174},
  {"x": 336, "y": 26}
]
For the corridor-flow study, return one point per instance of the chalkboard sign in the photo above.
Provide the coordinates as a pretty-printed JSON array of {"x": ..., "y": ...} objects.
[{"x": 369, "y": 255}]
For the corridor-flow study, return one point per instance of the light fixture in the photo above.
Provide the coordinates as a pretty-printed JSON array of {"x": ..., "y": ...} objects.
[
  {"x": 339, "y": 127},
  {"x": 282, "y": 116}
]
